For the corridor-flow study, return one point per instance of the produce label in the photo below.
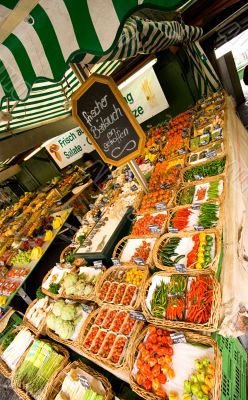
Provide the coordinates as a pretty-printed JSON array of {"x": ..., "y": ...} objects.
[
  {"x": 101, "y": 204},
  {"x": 195, "y": 206},
  {"x": 98, "y": 264},
  {"x": 153, "y": 150},
  {"x": 211, "y": 154},
  {"x": 106, "y": 200},
  {"x": 178, "y": 337},
  {"x": 198, "y": 177},
  {"x": 154, "y": 228},
  {"x": 161, "y": 158},
  {"x": 134, "y": 188},
  {"x": 84, "y": 382},
  {"x": 180, "y": 267},
  {"x": 171, "y": 229},
  {"x": 85, "y": 222},
  {"x": 181, "y": 151},
  {"x": 115, "y": 261},
  {"x": 91, "y": 206},
  {"x": 198, "y": 227},
  {"x": 138, "y": 315},
  {"x": 117, "y": 186},
  {"x": 178, "y": 166},
  {"x": 139, "y": 260},
  {"x": 160, "y": 206},
  {"x": 165, "y": 186}
]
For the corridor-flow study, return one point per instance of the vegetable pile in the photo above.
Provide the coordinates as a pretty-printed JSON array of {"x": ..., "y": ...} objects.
[
  {"x": 64, "y": 318},
  {"x": 40, "y": 363},
  {"x": 187, "y": 218},
  {"x": 211, "y": 168},
  {"x": 142, "y": 223},
  {"x": 201, "y": 192},
  {"x": 150, "y": 200},
  {"x": 194, "y": 252},
  {"x": 182, "y": 298},
  {"x": 81, "y": 283},
  {"x": 201, "y": 381}
]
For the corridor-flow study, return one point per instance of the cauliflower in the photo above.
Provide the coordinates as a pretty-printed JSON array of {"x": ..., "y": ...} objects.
[
  {"x": 58, "y": 307},
  {"x": 69, "y": 312},
  {"x": 65, "y": 329},
  {"x": 70, "y": 280},
  {"x": 52, "y": 321}
]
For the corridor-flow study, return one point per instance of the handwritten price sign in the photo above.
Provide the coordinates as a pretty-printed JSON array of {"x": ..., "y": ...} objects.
[{"x": 104, "y": 116}]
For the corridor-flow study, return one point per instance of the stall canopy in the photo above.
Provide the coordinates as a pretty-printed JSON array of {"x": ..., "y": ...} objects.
[{"x": 55, "y": 33}]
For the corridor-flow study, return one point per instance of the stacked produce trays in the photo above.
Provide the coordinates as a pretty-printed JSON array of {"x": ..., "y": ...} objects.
[
  {"x": 167, "y": 363},
  {"x": 121, "y": 286},
  {"x": 108, "y": 334},
  {"x": 186, "y": 301}
]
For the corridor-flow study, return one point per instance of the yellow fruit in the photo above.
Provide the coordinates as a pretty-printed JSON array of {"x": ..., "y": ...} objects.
[
  {"x": 48, "y": 236},
  {"x": 36, "y": 253},
  {"x": 57, "y": 222}
]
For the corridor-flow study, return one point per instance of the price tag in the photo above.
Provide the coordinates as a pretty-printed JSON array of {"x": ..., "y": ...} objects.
[
  {"x": 198, "y": 177},
  {"x": 196, "y": 206},
  {"x": 165, "y": 186},
  {"x": 87, "y": 308},
  {"x": 161, "y": 158},
  {"x": 185, "y": 135},
  {"x": 178, "y": 337},
  {"x": 85, "y": 222},
  {"x": 154, "y": 228},
  {"x": 98, "y": 264},
  {"x": 180, "y": 267},
  {"x": 178, "y": 166},
  {"x": 147, "y": 161},
  {"x": 134, "y": 188},
  {"x": 203, "y": 142},
  {"x": 153, "y": 150},
  {"x": 211, "y": 154},
  {"x": 198, "y": 227},
  {"x": 171, "y": 229},
  {"x": 68, "y": 265},
  {"x": 84, "y": 382},
  {"x": 139, "y": 261},
  {"x": 115, "y": 261},
  {"x": 91, "y": 206},
  {"x": 138, "y": 315},
  {"x": 117, "y": 185},
  {"x": 24, "y": 239},
  {"x": 100, "y": 204},
  {"x": 105, "y": 200},
  {"x": 181, "y": 151},
  {"x": 160, "y": 206}
]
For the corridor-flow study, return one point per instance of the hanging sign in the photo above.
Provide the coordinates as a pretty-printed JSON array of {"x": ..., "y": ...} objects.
[
  {"x": 69, "y": 147},
  {"x": 106, "y": 119}
]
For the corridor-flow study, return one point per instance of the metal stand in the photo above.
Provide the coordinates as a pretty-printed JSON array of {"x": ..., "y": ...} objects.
[
  {"x": 138, "y": 174},
  {"x": 24, "y": 296}
]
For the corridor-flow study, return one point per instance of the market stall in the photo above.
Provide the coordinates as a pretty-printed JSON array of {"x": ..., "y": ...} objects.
[{"x": 159, "y": 306}]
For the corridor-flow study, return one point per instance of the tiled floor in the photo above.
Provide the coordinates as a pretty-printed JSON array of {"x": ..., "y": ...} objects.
[{"x": 6, "y": 393}]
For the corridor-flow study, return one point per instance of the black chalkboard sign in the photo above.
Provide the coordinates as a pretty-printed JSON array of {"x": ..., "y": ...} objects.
[{"x": 106, "y": 119}]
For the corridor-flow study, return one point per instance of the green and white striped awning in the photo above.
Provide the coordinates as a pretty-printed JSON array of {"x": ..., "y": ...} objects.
[{"x": 97, "y": 33}]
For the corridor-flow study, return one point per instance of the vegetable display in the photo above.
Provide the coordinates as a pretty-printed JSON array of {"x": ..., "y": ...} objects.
[
  {"x": 81, "y": 283},
  {"x": 39, "y": 364},
  {"x": 36, "y": 315},
  {"x": 150, "y": 200},
  {"x": 206, "y": 216},
  {"x": 17, "y": 348},
  {"x": 200, "y": 382},
  {"x": 201, "y": 192},
  {"x": 121, "y": 286},
  {"x": 181, "y": 298},
  {"x": 211, "y": 168},
  {"x": 142, "y": 223},
  {"x": 194, "y": 251},
  {"x": 65, "y": 318}
]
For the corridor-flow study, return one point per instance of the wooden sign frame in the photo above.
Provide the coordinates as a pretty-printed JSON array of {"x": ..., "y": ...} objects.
[{"x": 107, "y": 80}]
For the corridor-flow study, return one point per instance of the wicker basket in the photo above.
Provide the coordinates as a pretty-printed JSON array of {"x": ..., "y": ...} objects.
[
  {"x": 4, "y": 368},
  {"x": 123, "y": 362},
  {"x": 201, "y": 182},
  {"x": 80, "y": 297},
  {"x": 209, "y": 326},
  {"x": 41, "y": 330},
  {"x": 21, "y": 392},
  {"x": 120, "y": 247},
  {"x": 162, "y": 241},
  {"x": 190, "y": 337},
  {"x": 153, "y": 210},
  {"x": 55, "y": 386},
  {"x": 62, "y": 261},
  {"x": 219, "y": 222},
  {"x": 136, "y": 304},
  {"x": 203, "y": 164},
  {"x": 163, "y": 228}
]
